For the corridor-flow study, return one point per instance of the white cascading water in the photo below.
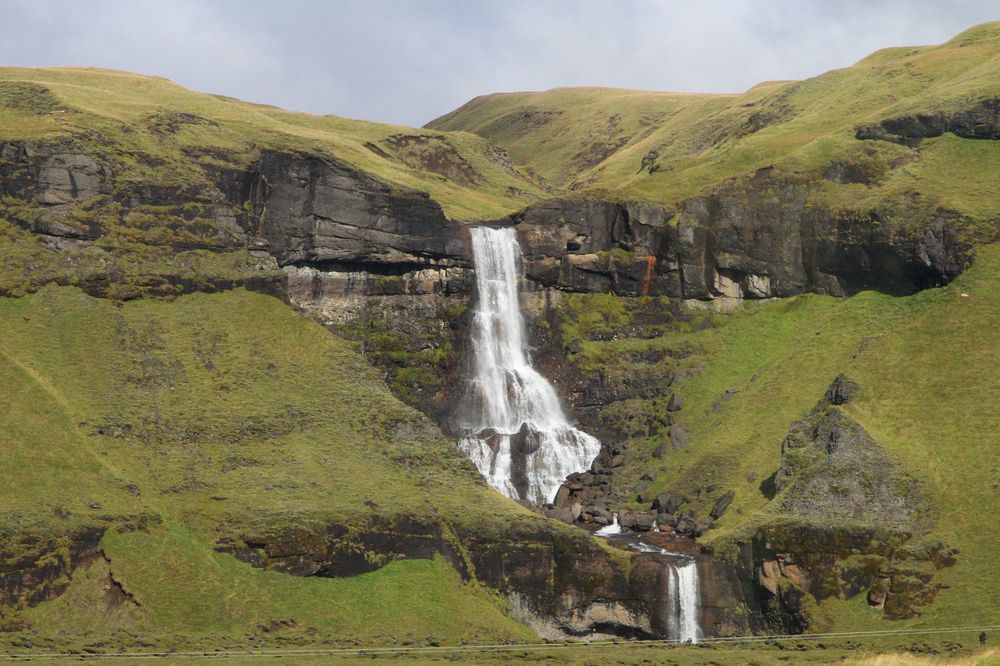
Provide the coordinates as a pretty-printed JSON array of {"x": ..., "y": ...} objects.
[
  {"x": 513, "y": 427},
  {"x": 613, "y": 529},
  {"x": 682, "y": 592},
  {"x": 684, "y": 602}
]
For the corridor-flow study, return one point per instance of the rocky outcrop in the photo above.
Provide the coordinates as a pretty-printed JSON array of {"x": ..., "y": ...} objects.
[
  {"x": 317, "y": 211},
  {"x": 37, "y": 565},
  {"x": 850, "y": 523},
  {"x": 787, "y": 567},
  {"x": 328, "y": 223},
  {"x": 557, "y": 580},
  {"x": 34, "y": 569},
  {"x": 832, "y": 469},
  {"x": 980, "y": 121},
  {"x": 756, "y": 237}
]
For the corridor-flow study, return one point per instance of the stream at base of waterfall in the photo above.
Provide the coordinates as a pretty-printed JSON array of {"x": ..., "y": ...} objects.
[{"x": 512, "y": 425}]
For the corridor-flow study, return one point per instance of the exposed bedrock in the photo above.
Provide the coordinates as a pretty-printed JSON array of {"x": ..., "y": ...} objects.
[
  {"x": 979, "y": 121},
  {"x": 753, "y": 237},
  {"x": 319, "y": 211},
  {"x": 560, "y": 582}
]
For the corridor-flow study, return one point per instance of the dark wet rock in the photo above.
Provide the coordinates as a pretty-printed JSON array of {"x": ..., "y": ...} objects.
[
  {"x": 841, "y": 391},
  {"x": 980, "y": 121},
  {"x": 722, "y": 504},
  {"x": 669, "y": 502},
  {"x": 659, "y": 452}
]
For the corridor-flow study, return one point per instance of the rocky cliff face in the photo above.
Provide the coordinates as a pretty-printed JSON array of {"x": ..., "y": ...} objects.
[
  {"x": 757, "y": 237},
  {"x": 333, "y": 228},
  {"x": 979, "y": 121},
  {"x": 559, "y": 582}
]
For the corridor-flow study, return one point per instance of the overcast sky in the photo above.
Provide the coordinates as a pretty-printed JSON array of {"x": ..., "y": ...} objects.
[{"x": 409, "y": 61}]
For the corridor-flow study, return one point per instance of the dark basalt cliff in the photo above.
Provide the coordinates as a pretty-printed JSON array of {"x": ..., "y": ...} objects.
[{"x": 755, "y": 237}]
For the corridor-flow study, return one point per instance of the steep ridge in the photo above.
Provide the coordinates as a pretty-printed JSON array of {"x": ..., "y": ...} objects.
[{"x": 671, "y": 147}]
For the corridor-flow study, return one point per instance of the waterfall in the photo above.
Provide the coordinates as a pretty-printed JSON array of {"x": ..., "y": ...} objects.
[
  {"x": 512, "y": 426},
  {"x": 682, "y": 593},
  {"x": 610, "y": 530},
  {"x": 685, "y": 601}
]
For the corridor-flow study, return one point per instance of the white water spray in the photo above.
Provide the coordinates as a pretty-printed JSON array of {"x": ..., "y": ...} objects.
[
  {"x": 684, "y": 602},
  {"x": 514, "y": 429},
  {"x": 682, "y": 592},
  {"x": 610, "y": 530}
]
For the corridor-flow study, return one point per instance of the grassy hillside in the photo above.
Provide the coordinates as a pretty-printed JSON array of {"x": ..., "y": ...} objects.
[
  {"x": 665, "y": 148},
  {"x": 927, "y": 371},
  {"x": 161, "y": 134},
  {"x": 211, "y": 417}
]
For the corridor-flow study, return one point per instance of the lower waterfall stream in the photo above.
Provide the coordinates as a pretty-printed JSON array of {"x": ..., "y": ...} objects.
[
  {"x": 681, "y": 590},
  {"x": 512, "y": 425}
]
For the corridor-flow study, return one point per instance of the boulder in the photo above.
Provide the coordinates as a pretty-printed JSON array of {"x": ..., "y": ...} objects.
[
  {"x": 668, "y": 502},
  {"x": 559, "y": 513},
  {"x": 679, "y": 436},
  {"x": 660, "y": 450},
  {"x": 562, "y": 496},
  {"x": 675, "y": 404},
  {"x": 687, "y": 526},
  {"x": 666, "y": 520},
  {"x": 722, "y": 504},
  {"x": 598, "y": 512},
  {"x": 643, "y": 521}
]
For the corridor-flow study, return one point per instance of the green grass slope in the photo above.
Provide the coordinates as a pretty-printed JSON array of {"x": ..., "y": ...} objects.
[
  {"x": 209, "y": 417},
  {"x": 927, "y": 368},
  {"x": 665, "y": 148},
  {"x": 161, "y": 134}
]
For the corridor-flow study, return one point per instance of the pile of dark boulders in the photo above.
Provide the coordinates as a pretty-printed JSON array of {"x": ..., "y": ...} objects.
[{"x": 665, "y": 513}]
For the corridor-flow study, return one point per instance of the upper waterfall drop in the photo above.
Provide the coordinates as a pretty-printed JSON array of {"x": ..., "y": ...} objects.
[{"x": 512, "y": 425}]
